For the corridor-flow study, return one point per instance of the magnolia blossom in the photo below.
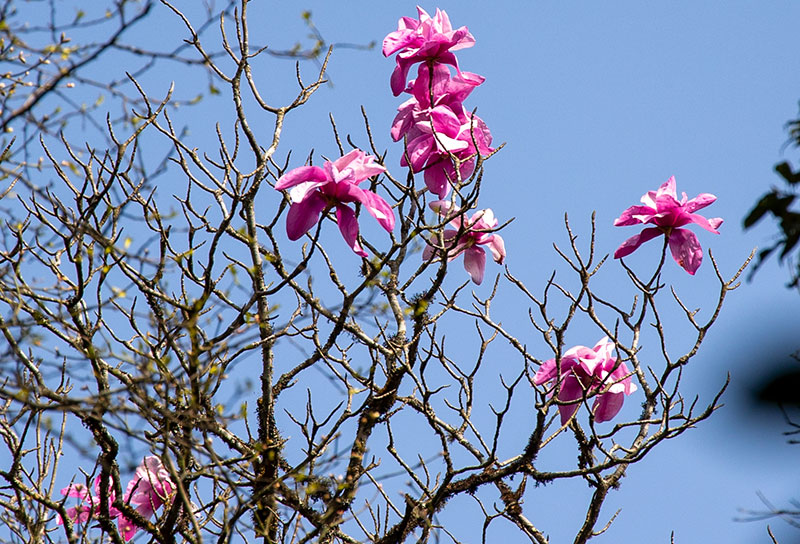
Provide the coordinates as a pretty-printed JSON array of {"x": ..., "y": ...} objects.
[
  {"x": 150, "y": 488},
  {"x": 586, "y": 371},
  {"x": 663, "y": 209},
  {"x": 466, "y": 236},
  {"x": 439, "y": 131},
  {"x": 429, "y": 39},
  {"x": 89, "y": 503},
  {"x": 313, "y": 190}
]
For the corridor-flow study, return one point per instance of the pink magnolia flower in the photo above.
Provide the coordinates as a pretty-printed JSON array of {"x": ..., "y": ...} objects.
[
  {"x": 429, "y": 39},
  {"x": 586, "y": 371},
  {"x": 314, "y": 190},
  {"x": 150, "y": 488},
  {"x": 466, "y": 237},
  {"x": 663, "y": 209},
  {"x": 440, "y": 131},
  {"x": 89, "y": 503}
]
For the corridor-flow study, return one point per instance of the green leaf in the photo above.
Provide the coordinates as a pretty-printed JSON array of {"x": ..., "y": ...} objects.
[
  {"x": 790, "y": 225},
  {"x": 785, "y": 170},
  {"x": 774, "y": 202}
]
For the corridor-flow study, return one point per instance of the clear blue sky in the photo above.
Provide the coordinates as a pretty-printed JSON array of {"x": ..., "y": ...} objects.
[{"x": 598, "y": 103}]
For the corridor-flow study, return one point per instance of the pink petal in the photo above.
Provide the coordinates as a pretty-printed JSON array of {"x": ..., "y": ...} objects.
[
  {"x": 463, "y": 39},
  {"x": 304, "y": 215},
  {"x": 380, "y": 210},
  {"x": 467, "y": 168},
  {"x": 698, "y": 202},
  {"x": 546, "y": 372},
  {"x": 148, "y": 506},
  {"x": 446, "y": 90},
  {"x": 453, "y": 250},
  {"x": 604, "y": 347},
  {"x": 475, "y": 263},
  {"x": 566, "y": 411},
  {"x": 483, "y": 220},
  {"x": 299, "y": 175},
  {"x": 110, "y": 494},
  {"x": 422, "y": 85},
  {"x": 348, "y": 226},
  {"x": 667, "y": 203},
  {"x": 404, "y": 120},
  {"x": 126, "y": 528},
  {"x": 348, "y": 159},
  {"x": 469, "y": 78},
  {"x": 399, "y": 75},
  {"x": 686, "y": 249},
  {"x": 445, "y": 144},
  {"x": 429, "y": 251},
  {"x": 422, "y": 15},
  {"x": 649, "y": 199},
  {"x": 667, "y": 189},
  {"x": 151, "y": 486},
  {"x": 447, "y": 125},
  {"x": 361, "y": 165},
  {"x": 710, "y": 225},
  {"x": 398, "y": 39},
  {"x": 605, "y": 352},
  {"x": 375, "y": 205},
  {"x": 419, "y": 150},
  {"x": 478, "y": 130},
  {"x": 571, "y": 390},
  {"x": 442, "y": 21},
  {"x": 589, "y": 362},
  {"x": 436, "y": 178},
  {"x": 78, "y": 514},
  {"x": 607, "y": 405},
  {"x": 498, "y": 248},
  {"x": 300, "y": 192},
  {"x": 76, "y": 490},
  {"x": 620, "y": 379},
  {"x": 444, "y": 208},
  {"x": 631, "y": 244},
  {"x": 635, "y": 215}
]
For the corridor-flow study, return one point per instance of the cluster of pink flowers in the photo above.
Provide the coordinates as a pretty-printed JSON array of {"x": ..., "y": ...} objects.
[
  {"x": 586, "y": 372},
  {"x": 434, "y": 123},
  {"x": 440, "y": 135},
  {"x": 150, "y": 489},
  {"x": 442, "y": 140}
]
